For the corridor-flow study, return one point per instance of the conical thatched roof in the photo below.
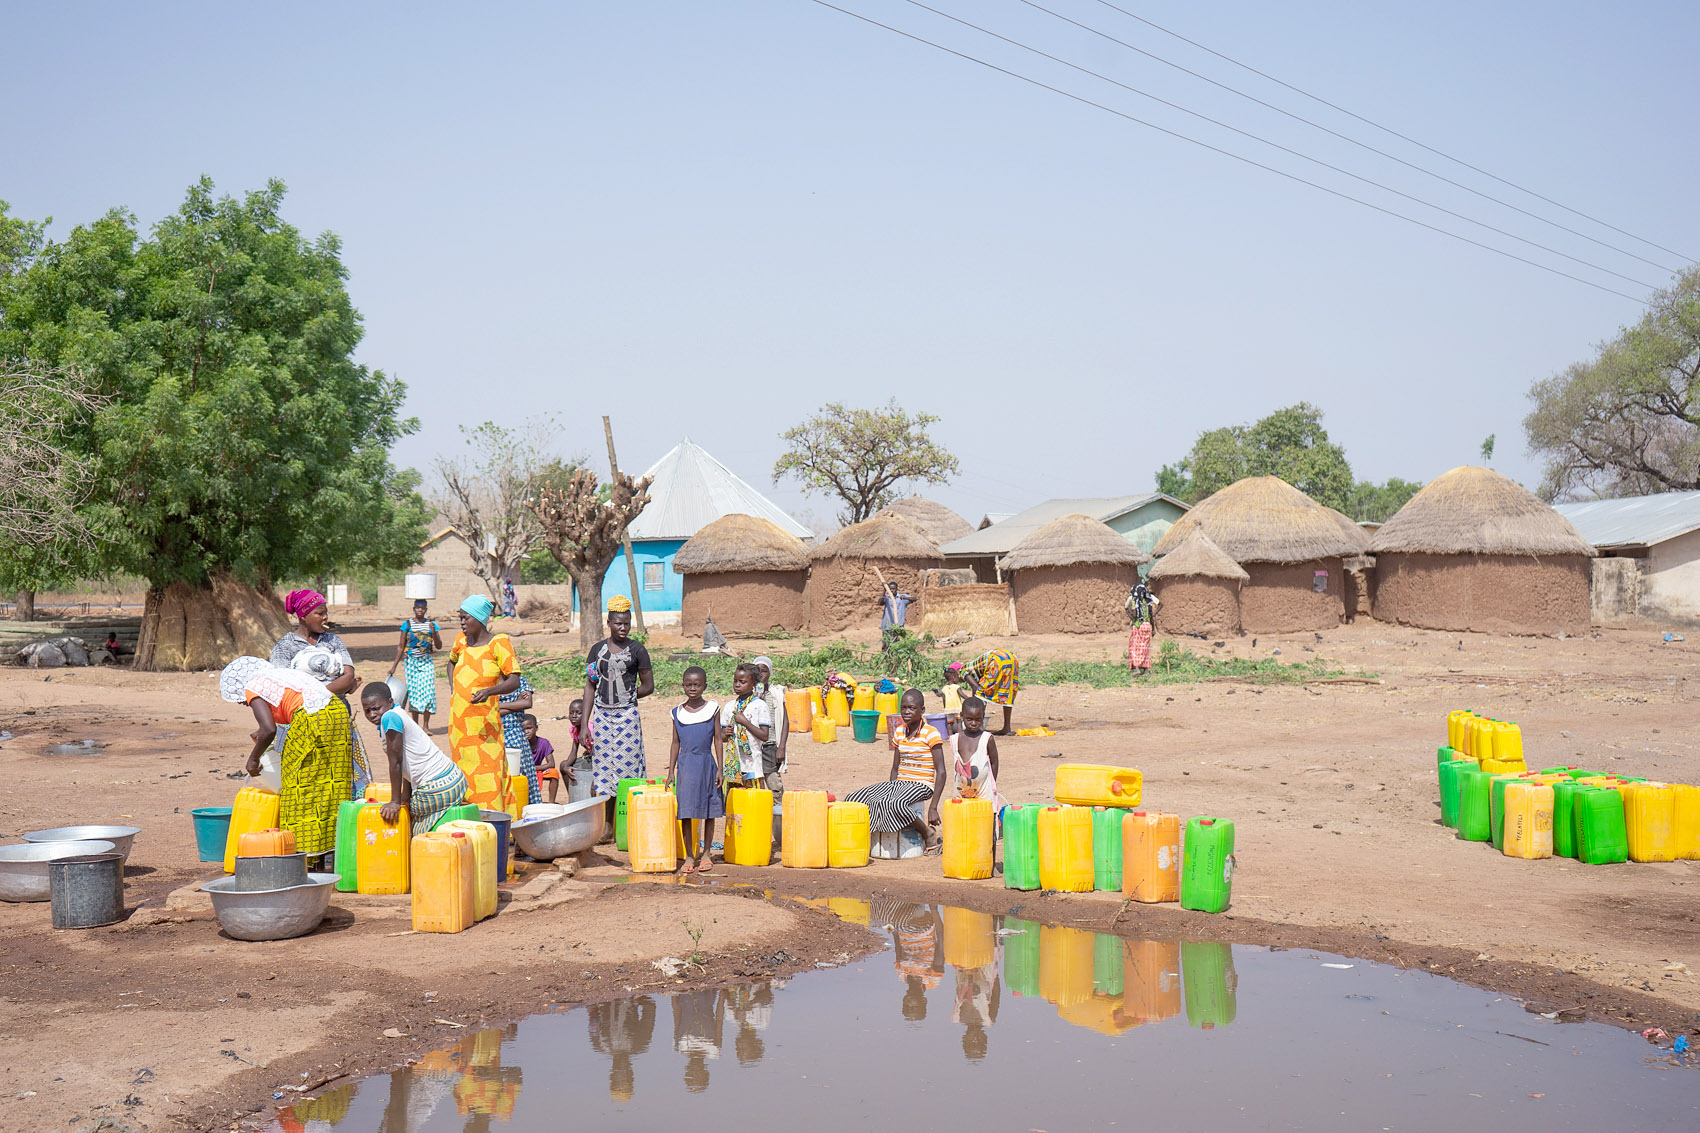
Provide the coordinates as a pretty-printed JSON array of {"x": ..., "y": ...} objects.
[
  {"x": 741, "y": 543},
  {"x": 1351, "y": 530},
  {"x": 881, "y": 537},
  {"x": 1198, "y": 556},
  {"x": 1072, "y": 540},
  {"x": 1264, "y": 519},
  {"x": 936, "y": 521},
  {"x": 1476, "y": 511}
]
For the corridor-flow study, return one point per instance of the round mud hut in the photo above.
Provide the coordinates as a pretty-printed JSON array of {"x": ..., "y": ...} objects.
[
  {"x": 1475, "y": 551},
  {"x": 936, "y": 521},
  {"x": 844, "y": 572},
  {"x": 1072, "y": 576},
  {"x": 1199, "y": 586},
  {"x": 1292, "y": 548},
  {"x": 748, "y": 574}
]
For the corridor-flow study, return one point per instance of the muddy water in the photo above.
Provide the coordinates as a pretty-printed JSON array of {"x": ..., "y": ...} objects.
[{"x": 966, "y": 1020}]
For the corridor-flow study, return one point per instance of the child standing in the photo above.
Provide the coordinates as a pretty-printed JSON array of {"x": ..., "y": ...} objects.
[
  {"x": 542, "y": 754},
  {"x": 577, "y": 764},
  {"x": 745, "y": 724},
  {"x": 976, "y": 755},
  {"x": 693, "y": 769}
]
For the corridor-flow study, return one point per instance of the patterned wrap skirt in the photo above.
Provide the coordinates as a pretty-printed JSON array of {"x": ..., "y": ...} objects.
[
  {"x": 894, "y": 804},
  {"x": 998, "y": 678},
  {"x": 434, "y": 797},
  {"x": 618, "y": 735},
  {"x": 421, "y": 673},
  {"x": 1139, "y": 647},
  {"x": 318, "y": 776}
]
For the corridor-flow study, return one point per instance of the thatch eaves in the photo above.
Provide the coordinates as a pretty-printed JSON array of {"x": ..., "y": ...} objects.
[
  {"x": 1264, "y": 519},
  {"x": 1477, "y": 511},
  {"x": 879, "y": 537},
  {"x": 1198, "y": 556},
  {"x": 1072, "y": 540},
  {"x": 736, "y": 543},
  {"x": 936, "y": 521}
]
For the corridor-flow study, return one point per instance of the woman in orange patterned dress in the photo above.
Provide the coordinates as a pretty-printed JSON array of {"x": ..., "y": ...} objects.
[{"x": 484, "y": 668}]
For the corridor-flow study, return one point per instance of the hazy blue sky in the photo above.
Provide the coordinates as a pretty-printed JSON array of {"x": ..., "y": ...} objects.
[{"x": 711, "y": 217}]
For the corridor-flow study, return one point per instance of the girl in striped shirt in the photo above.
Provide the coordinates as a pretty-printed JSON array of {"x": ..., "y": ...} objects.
[{"x": 917, "y": 775}]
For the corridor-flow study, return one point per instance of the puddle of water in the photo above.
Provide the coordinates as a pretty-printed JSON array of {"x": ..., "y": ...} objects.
[
  {"x": 76, "y": 747},
  {"x": 970, "y": 1019}
]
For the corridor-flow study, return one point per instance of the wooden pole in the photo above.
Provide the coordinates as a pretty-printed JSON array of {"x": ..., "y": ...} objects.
[{"x": 625, "y": 539}]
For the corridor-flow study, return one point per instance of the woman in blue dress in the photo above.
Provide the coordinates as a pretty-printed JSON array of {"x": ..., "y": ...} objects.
[
  {"x": 513, "y": 707},
  {"x": 420, "y": 640},
  {"x": 693, "y": 768}
]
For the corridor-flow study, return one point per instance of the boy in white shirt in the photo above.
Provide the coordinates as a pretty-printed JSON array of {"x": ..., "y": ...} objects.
[{"x": 422, "y": 778}]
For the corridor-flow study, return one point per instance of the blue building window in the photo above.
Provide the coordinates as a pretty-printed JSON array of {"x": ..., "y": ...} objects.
[{"x": 652, "y": 577}]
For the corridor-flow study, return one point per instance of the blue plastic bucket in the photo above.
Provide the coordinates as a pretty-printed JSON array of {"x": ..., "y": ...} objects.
[
  {"x": 503, "y": 822},
  {"x": 212, "y": 831}
]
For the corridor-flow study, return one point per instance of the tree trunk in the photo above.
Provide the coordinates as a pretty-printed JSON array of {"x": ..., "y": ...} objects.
[
  {"x": 590, "y": 627},
  {"x": 25, "y": 611},
  {"x": 203, "y": 627}
]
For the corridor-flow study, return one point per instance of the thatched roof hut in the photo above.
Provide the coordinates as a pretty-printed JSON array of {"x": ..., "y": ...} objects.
[
  {"x": 748, "y": 574},
  {"x": 1292, "y": 548},
  {"x": 936, "y": 521},
  {"x": 1072, "y": 575},
  {"x": 1199, "y": 586},
  {"x": 845, "y": 571},
  {"x": 1475, "y": 551}
]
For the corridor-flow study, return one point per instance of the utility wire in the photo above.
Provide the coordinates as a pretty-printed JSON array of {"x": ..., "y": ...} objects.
[
  {"x": 1385, "y": 130},
  {"x": 1285, "y": 149},
  {"x": 1227, "y": 153}
]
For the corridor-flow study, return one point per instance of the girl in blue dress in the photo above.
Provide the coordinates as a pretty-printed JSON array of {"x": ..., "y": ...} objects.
[{"x": 693, "y": 768}]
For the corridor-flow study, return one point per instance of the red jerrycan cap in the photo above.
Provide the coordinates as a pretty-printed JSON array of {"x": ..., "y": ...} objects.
[
  {"x": 1207, "y": 822},
  {"x": 1115, "y": 786}
]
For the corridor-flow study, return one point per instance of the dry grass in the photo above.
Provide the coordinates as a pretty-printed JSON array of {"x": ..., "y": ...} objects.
[
  {"x": 1264, "y": 519},
  {"x": 979, "y": 608},
  {"x": 741, "y": 543},
  {"x": 1198, "y": 556},
  {"x": 881, "y": 537},
  {"x": 1476, "y": 511},
  {"x": 1072, "y": 540},
  {"x": 936, "y": 521}
]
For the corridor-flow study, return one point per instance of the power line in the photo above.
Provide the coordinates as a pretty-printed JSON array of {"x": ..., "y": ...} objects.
[
  {"x": 1227, "y": 153},
  {"x": 1285, "y": 149},
  {"x": 1396, "y": 134}
]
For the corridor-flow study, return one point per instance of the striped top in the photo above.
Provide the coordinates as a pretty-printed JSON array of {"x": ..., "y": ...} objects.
[{"x": 915, "y": 752}]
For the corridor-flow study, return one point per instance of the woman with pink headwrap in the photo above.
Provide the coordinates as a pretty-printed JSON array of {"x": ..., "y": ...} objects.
[{"x": 310, "y": 609}]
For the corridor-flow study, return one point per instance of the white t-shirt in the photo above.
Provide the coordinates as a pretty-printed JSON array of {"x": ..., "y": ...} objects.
[{"x": 421, "y": 759}]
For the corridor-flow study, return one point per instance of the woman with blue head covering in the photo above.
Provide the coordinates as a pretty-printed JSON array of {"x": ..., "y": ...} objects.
[{"x": 484, "y": 668}]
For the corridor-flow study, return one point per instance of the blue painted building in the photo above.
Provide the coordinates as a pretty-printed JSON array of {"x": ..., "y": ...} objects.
[{"x": 690, "y": 491}]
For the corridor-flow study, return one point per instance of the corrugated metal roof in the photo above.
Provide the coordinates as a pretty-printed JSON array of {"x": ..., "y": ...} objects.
[
  {"x": 692, "y": 490},
  {"x": 1001, "y": 537},
  {"x": 1636, "y": 521}
]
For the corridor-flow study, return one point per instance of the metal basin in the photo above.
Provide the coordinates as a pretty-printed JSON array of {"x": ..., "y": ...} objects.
[
  {"x": 119, "y": 836},
  {"x": 578, "y": 828},
  {"x": 23, "y": 869},
  {"x": 271, "y": 914}
]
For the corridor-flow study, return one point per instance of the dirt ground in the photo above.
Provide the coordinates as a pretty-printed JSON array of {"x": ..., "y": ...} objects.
[{"x": 161, "y": 1023}]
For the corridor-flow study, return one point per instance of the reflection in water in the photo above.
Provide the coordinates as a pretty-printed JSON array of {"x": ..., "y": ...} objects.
[{"x": 1093, "y": 980}]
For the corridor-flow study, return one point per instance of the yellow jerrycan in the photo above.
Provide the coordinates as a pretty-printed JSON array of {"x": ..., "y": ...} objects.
[
  {"x": 652, "y": 833},
  {"x": 824, "y": 730},
  {"x": 377, "y": 792},
  {"x": 483, "y": 838},
  {"x": 799, "y": 711},
  {"x": 838, "y": 707},
  {"x": 255, "y": 809},
  {"x": 1065, "y": 849},
  {"x": 1528, "y": 820},
  {"x": 970, "y": 939},
  {"x": 887, "y": 704},
  {"x": 1065, "y": 963},
  {"x": 1481, "y": 739},
  {"x": 864, "y": 700},
  {"x": 1649, "y": 818},
  {"x": 749, "y": 826},
  {"x": 1088, "y": 784},
  {"x": 848, "y": 835},
  {"x": 1507, "y": 742},
  {"x": 968, "y": 838},
  {"x": 1686, "y": 811},
  {"x": 382, "y": 852},
  {"x": 803, "y": 834},
  {"x": 444, "y": 897}
]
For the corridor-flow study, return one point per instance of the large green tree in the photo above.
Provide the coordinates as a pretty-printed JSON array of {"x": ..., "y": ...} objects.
[
  {"x": 863, "y": 456},
  {"x": 240, "y": 441},
  {"x": 1626, "y": 422},
  {"x": 1290, "y": 443}
]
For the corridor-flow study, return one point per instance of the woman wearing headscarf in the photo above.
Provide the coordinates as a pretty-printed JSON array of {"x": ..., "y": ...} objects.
[
  {"x": 618, "y": 675},
  {"x": 317, "y": 757},
  {"x": 311, "y": 610},
  {"x": 484, "y": 668}
]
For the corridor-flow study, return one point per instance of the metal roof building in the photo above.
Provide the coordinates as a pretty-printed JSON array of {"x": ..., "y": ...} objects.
[{"x": 1649, "y": 564}]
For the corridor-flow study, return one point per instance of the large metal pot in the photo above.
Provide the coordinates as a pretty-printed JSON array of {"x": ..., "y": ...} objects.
[
  {"x": 271, "y": 914},
  {"x": 120, "y": 836},
  {"x": 23, "y": 869},
  {"x": 575, "y": 829}
]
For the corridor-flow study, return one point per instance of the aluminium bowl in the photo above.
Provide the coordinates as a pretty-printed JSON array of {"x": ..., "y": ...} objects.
[
  {"x": 577, "y": 828},
  {"x": 270, "y": 914},
  {"x": 23, "y": 868},
  {"x": 120, "y": 836}
]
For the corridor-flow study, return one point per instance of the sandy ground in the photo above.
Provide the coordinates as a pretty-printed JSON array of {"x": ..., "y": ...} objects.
[{"x": 162, "y": 1023}]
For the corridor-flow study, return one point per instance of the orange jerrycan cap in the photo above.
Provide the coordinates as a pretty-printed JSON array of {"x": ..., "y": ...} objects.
[{"x": 458, "y": 834}]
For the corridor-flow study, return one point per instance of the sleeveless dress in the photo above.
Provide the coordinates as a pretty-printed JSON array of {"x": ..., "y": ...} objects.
[
  {"x": 974, "y": 778},
  {"x": 697, "y": 787}
]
